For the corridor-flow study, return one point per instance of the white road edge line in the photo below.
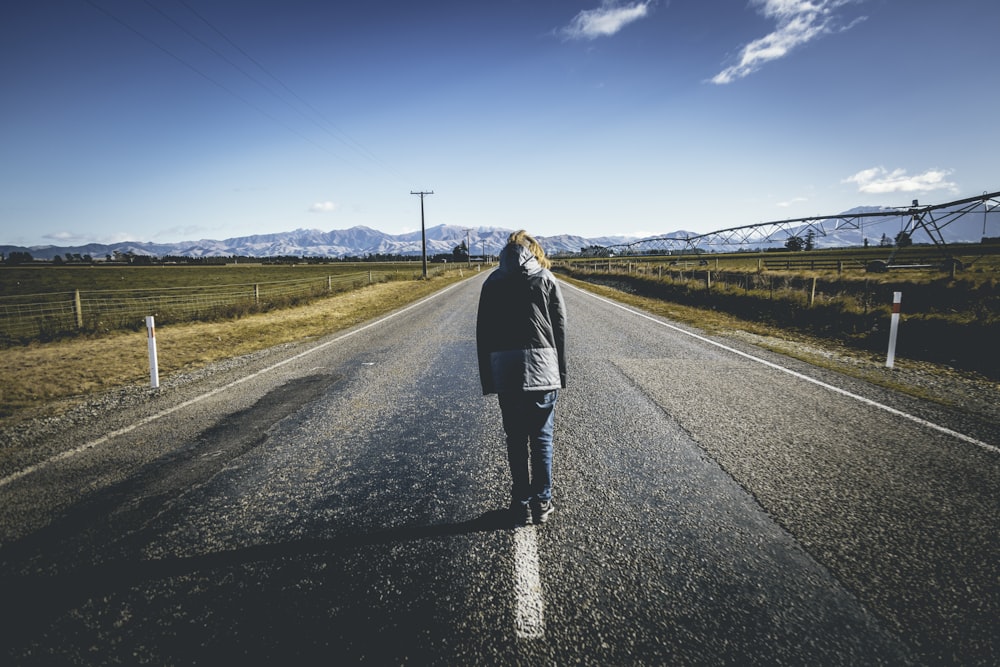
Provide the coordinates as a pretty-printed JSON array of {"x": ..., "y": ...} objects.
[
  {"x": 830, "y": 387},
  {"x": 197, "y": 399},
  {"x": 529, "y": 601}
]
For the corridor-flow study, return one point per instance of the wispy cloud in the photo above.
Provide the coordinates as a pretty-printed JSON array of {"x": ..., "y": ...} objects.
[
  {"x": 67, "y": 238},
  {"x": 879, "y": 180},
  {"x": 323, "y": 207},
  {"x": 794, "y": 200},
  {"x": 798, "y": 22},
  {"x": 606, "y": 20},
  {"x": 62, "y": 237}
]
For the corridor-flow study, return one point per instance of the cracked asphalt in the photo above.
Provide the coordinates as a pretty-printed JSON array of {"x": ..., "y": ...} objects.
[{"x": 341, "y": 500}]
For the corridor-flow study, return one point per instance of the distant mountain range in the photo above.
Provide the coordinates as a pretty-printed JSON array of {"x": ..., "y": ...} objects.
[
  {"x": 354, "y": 242},
  {"x": 362, "y": 241}
]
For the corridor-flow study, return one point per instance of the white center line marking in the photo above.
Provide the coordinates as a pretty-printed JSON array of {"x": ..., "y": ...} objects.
[
  {"x": 830, "y": 387},
  {"x": 529, "y": 601}
]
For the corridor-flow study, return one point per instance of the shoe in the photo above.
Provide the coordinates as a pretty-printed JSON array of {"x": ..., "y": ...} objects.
[
  {"x": 543, "y": 510},
  {"x": 520, "y": 513}
]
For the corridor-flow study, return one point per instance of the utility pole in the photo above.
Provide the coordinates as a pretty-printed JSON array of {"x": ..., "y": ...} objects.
[
  {"x": 423, "y": 232},
  {"x": 468, "y": 248}
]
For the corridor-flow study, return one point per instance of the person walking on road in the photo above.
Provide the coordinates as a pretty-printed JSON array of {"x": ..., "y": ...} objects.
[{"x": 521, "y": 344}]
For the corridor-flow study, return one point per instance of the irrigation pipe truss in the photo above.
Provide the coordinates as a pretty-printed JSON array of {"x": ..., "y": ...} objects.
[{"x": 929, "y": 219}]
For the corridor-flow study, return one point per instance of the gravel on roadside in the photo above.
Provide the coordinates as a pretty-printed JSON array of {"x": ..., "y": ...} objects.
[{"x": 968, "y": 392}]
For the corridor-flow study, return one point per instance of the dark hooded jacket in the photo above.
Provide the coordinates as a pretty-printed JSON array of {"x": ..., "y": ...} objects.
[{"x": 521, "y": 326}]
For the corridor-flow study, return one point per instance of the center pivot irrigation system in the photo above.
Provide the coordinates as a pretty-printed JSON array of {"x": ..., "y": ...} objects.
[{"x": 930, "y": 219}]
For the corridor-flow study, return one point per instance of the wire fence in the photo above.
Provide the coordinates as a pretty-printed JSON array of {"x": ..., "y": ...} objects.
[{"x": 45, "y": 316}]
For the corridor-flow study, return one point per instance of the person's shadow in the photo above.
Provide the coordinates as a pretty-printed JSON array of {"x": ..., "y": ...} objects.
[
  {"x": 78, "y": 583},
  {"x": 43, "y": 598}
]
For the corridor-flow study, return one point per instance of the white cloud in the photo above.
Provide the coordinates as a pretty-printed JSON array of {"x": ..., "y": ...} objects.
[
  {"x": 606, "y": 20},
  {"x": 323, "y": 207},
  {"x": 798, "y": 22},
  {"x": 879, "y": 180},
  {"x": 794, "y": 200}
]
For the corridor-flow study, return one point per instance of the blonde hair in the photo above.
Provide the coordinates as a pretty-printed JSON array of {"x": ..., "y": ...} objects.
[{"x": 522, "y": 238}]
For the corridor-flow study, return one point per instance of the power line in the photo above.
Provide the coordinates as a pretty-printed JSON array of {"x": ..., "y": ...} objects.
[
  {"x": 346, "y": 139},
  {"x": 355, "y": 146},
  {"x": 206, "y": 76}
]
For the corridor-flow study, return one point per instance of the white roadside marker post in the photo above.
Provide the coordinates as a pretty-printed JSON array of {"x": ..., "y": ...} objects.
[
  {"x": 154, "y": 369},
  {"x": 893, "y": 329}
]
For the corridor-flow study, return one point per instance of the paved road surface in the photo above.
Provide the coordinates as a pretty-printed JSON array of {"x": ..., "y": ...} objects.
[{"x": 342, "y": 500}]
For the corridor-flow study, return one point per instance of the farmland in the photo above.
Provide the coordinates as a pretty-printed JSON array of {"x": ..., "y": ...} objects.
[
  {"x": 48, "y": 302},
  {"x": 25, "y": 279},
  {"x": 950, "y": 316}
]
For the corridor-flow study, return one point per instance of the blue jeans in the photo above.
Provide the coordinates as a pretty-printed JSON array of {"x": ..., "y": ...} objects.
[{"x": 528, "y": 419}]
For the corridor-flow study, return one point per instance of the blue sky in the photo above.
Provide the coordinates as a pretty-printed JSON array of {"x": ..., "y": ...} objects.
[{"x": 176, "y": 120}]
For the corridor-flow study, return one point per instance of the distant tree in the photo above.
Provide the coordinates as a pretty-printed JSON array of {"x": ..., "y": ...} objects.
[
  {"x": 18, "y": 257},
  {"x": 460, "y": 253},
  {"x": 885, "y": 242},
  {"x": 811, "y": 239},
  {"x": 794, "y": 244},
  {"x": 903, "y": 239},
  {"x": 594, "y": 251}
]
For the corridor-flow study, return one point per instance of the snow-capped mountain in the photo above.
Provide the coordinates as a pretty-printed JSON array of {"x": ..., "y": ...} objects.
[
  {"x": 363, "y": 241},
  {"x": 354, "y": 242}
]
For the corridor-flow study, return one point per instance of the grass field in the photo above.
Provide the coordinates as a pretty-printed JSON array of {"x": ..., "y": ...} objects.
[
  {"x": 40, "y": 303},
  {"x": 980, "y": 262},
  {"x": 28, "y": 280}
]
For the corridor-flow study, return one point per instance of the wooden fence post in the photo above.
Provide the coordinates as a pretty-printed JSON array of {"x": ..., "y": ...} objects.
[
  {"x": 78, "y": 309},
  {"x": 256, "y": 294},
  {"x": 812, "y": 293}
]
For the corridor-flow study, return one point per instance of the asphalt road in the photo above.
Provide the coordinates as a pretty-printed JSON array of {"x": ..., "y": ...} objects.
[{"x": 341, "y": 502}]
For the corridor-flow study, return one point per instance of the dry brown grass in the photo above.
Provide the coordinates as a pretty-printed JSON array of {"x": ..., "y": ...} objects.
[{"x": 37, "y": 374}]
